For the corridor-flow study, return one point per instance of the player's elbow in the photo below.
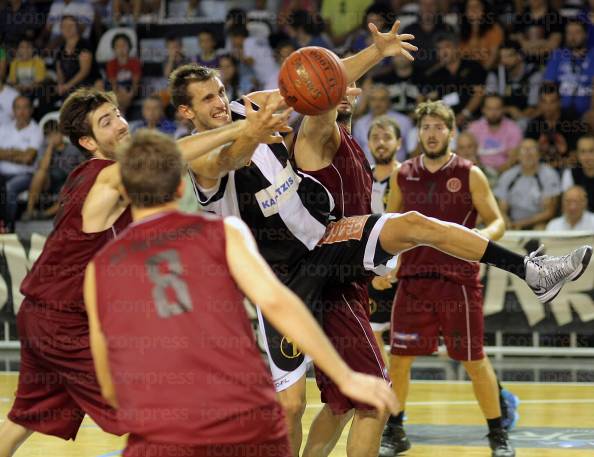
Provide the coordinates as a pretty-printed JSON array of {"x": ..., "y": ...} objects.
[{"x": 274, "y": 301}]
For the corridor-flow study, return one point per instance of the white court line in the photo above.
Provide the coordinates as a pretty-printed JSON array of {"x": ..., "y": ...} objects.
[{"x": 474, "y": 402}]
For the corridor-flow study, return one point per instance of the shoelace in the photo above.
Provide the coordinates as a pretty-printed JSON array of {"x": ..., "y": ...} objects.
[
  {"x": 499, "y": 437},
  {"x": 550, "y": 275}
]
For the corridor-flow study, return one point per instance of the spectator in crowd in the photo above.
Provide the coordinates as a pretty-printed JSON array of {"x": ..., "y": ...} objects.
[
  {"x": 587, "y": 17},
  {"x": 123, "y": 72},
  {"x": 467, "y": 147},
  {"x": 254, "y": 54},
  {"x": 480, "y": 33},
  {"x": 153, "y": 117},
  {"x": 572, "y": 69},
  {"x": 575, "y": 214},
  {"x": 19, "y": 20},
  {"x": 75, "y": 66},
  {"x": 3, "y": 62},
  {"x": 402, "y": 83},
  {"x": 7, "y": 96},
  {"x": 428, "y": 26},
  {"x": 376, "y": 13},
  {"x": 283, "y": 48},
  {"x": 21, "y": 139},
  {"x": 208, "y": 50},
  {"x": 538, "y": 29},
  {"x": 556, "y": 131},
  {"x": 135, "y": 8},
  {"x": 497, "y": 135},
  {"x": 175, "y": 56},
  {"x": 236, "y": 85},
  {"x": 460, "y": 83},
  {"x": 306, "y": 30},
  {"x": 55, "y": 160},
  {"x": 528, "y": 193},
  {"x": 583, "y": 174},
  {"x": 379, "y": 105},
  {"x": 341, "y": 17},
  {"x": 516, "y": 80},
  {"x": 82, "y": 14},
  {"x": 27, "y": 71}
]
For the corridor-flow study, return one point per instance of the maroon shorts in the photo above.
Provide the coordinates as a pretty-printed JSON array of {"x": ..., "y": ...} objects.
[
  {"x": 138, "y": 447},
  {"x": 346, "y": 323},
  {"x": 425, "y": 309},
  {"x": 57, "y": 383}
]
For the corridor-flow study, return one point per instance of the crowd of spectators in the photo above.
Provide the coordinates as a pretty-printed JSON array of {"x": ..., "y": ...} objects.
[{"x": 518, "y": 75}]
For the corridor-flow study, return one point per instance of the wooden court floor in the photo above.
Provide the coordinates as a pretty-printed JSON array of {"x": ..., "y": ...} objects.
[{"x": 557, "y": 420}]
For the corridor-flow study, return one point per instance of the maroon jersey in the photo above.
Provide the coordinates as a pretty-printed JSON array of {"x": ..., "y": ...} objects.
[
  {"x": 348, "y": 178},
  {"x": 444, "y": 195},
  {"x": 56, "y": 279},
  {"x": 181, "y": 349}
]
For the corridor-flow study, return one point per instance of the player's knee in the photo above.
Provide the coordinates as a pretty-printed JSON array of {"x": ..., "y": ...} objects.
[
  {"x": 476, "y": 367},
  {"x": 294, "y": 409},
  {"x": 401, "y": 363}
]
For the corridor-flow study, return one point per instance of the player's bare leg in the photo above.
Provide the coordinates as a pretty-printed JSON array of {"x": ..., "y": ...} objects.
[
  {"x": 484, "y": 383},
  {"x": 324, "y": 432},
  {"x": 400, "y": 375},
  {"x": 11, "y": 437},
  {"x": 365, "y": 434},
  {"x": 292, "y": 399},
  {"x": 382, "y": 346}
]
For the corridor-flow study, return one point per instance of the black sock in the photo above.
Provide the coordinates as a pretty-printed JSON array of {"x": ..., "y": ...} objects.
[
  {"x": 396, "y": 420},
  {"x": 502, "y": 403},
  {"x": 494, "y": 423},
  {"x": 505, "y": 259}
]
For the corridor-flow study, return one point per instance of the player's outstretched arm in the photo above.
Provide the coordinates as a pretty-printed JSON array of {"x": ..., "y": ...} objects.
[
  {"x": 290, "y": 316},
  {"x": 259, "y": 127},
  {"x": 395, "y": 203},
  {"x": 486, "y": 205},
  {"x": 97, "y": 339}
]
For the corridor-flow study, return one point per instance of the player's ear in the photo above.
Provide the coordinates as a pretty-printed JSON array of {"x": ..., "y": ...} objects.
[
  {"x": 186, "y": 112},
  {"x": 88, "y": 143}
]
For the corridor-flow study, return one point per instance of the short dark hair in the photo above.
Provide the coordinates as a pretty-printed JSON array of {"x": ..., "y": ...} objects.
[
  {"x": 182, "y": 77},
  {"x": 121, "y": 36},
  {"x": 385, "y": 123},
  {"x": 492, "y": 95},
  {"x": 74, "y": 114},
  {"x": 236, "y": 30},
  {"x": 21, "y": 97},
  {"x": 548, "y": 88},
  {"x": 151, "y": 168}
]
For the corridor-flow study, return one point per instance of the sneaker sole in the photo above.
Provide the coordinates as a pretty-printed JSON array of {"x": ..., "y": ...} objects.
[{"x": 551, "y": 294}]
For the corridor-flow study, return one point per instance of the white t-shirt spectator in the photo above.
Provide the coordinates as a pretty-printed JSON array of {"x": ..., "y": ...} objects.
[
  {"x": 80, "y": 9},
  {"x": 27, "y": 138},
  {"x": 7, "y": 96},
  {"x": 362, "y": 128},
  {"x": 559, "y": 224},
  {"x": 525, "y": 194}
]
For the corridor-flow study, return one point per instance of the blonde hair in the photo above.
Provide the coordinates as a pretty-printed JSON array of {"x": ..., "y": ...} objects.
[
  {"x": 438, "y": 109},
  {"x": 385, "y": 123}
]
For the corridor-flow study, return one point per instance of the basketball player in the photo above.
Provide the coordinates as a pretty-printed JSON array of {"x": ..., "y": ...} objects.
[
  {"x": 439, "y": 294},
  {"x": 196, "y": 268},
  {"x": 57, "y": 383},
  {"x": 288, "y": 212}
]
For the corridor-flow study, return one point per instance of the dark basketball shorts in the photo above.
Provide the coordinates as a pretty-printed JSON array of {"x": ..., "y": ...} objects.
[
  {"x": 138, "y": 447},
  {"x": 57, "y": 383},
  {"x": 426, "y": 309},
  {"x": 380, "y": 307},
  {"x": 349, "y": 251}
]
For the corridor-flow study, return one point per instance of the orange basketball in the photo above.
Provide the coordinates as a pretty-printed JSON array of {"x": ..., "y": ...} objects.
[{"x": 312, "y": 80}]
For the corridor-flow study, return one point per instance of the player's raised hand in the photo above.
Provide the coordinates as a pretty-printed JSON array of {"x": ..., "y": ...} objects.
[
  {"x": 263, "y": 125},
  {"x": 370, "y": 390},
  {"x": 392, "y": 44}
]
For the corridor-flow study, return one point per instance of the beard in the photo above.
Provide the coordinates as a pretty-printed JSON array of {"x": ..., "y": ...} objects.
[
  {"x": 494, "y": 122},
  {"x": 435, "y": 155},
  {"x": 383, "y": 160},
  {"x": 344, "y": 116}
]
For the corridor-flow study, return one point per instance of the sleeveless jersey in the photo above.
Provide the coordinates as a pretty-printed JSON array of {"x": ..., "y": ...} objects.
[
  {"x": 181, "y": 349},
  {"x": 56, "y": 279},
  {"x": 444, "y": 195}
]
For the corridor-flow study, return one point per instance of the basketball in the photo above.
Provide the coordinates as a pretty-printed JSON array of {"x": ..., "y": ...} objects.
[{"x": 312, "y": 80}]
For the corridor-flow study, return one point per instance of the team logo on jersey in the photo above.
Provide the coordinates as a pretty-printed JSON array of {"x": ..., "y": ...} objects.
[
  {"x": 289, "y": 349},
  {"x": 454, "y": 185}
]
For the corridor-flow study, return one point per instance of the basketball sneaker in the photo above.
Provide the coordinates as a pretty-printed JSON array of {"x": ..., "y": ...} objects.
[
  {"x": 546, "y": 274},
  {"x": 499, "y": 443},
  {"x": 394, "y": 441},
  {"x": 509, "y": 409}
]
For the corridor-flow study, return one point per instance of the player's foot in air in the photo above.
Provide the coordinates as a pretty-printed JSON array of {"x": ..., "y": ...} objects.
[
  {"x": 394, "y": 441},
  {"x": 546, "y": 274},
  {"x": 499, "y": 443},
  {"x": 511, "y": 415}
]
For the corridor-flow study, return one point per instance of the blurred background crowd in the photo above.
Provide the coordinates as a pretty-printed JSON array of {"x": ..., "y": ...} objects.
[{"x": 517, "y": 73}]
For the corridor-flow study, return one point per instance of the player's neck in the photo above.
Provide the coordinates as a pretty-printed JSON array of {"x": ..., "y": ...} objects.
[
  {"x": 384, "y": 170},
  {"x": 432, "y": 165},
  {"x": 139, "y": 214}
]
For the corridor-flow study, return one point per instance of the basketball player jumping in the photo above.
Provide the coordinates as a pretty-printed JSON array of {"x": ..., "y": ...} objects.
[
  {"x": 288, "y": 212},
  {"x": 57, "y": 384},
  {"x": 197, "y": 268}
]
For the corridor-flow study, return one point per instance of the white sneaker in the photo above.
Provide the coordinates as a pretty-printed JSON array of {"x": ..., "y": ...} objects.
[{"x": 546, "y": 274}]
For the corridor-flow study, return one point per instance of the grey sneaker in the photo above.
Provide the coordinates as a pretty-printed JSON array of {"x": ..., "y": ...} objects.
[{"x": 546, "y": 274}]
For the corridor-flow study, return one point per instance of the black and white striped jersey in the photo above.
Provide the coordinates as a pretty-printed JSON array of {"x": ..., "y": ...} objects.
[
  {"x": 286, "y": 210},
  {"x": 379, "y": 194}
]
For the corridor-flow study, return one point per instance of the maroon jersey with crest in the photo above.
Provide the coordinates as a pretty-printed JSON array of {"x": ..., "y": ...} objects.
[
  {"x": 444, "y": 195},
  {"x": 181, "y": 350},
  {"x": 56, "y": 279},
  {"x": 348, "y": 178}
]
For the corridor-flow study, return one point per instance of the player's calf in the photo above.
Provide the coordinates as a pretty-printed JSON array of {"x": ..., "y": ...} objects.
[{"x": 11, "y": 437}]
